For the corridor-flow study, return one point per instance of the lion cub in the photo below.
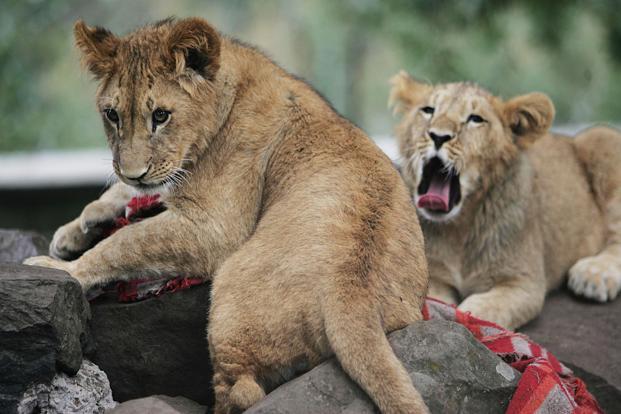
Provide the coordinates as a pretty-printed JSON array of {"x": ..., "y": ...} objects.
[
  {"x": 302, "y": 223},
  {"x": 508, "y": 209}
]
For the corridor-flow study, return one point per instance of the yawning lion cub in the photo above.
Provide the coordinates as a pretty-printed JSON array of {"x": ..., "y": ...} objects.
[
  {"x": 508, "y": 209},
  {"x": 302, "y": 223}
]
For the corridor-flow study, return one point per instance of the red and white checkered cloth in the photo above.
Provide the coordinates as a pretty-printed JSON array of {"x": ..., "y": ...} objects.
[{"x": 546, "y": 385}]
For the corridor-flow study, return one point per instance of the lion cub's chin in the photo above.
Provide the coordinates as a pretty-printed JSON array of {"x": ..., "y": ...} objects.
[
  {"x": 435, "y": 216},
  {"x": 162, "y": 188}
]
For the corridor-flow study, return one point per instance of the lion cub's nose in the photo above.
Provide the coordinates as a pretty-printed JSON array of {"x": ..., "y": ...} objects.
[
  {"x": 439, "y": 138},
  {"x": 134, "y": 174}
]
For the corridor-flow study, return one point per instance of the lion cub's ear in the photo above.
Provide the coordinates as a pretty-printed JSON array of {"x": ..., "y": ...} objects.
[
  {"x": 406, "y": 92},
  {"x": 195, "y": 45},
  {"x": 529, "y": 116},
  {"x": 98, "y": 47}
]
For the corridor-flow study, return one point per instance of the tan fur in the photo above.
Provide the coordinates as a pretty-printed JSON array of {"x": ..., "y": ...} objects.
[
  {"x": 535, "y": 206},
  {"x": 300, "y": 220}
]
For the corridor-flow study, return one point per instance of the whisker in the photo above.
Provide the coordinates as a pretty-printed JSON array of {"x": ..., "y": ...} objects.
[
  {"x": 111, "y": 179},
  {"x": 168, "y": 185},
  {"x": 182, "y": 174},
  {"x": 182, "y": 179},
  {"x": 177, "y": 178}
]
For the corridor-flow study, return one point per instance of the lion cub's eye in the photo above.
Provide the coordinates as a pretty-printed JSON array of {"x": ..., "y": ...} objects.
[
  {"x": 112, "y": 115},
  {"x": 474, "y": 118},
  {"x": 428, "y": 110},
  {"x": 160, "y": 116}
]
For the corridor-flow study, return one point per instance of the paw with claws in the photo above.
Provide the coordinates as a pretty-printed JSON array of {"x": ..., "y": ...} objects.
[
  {"x": 79, "y": 235},
  {"x": 596, "y": 277}
]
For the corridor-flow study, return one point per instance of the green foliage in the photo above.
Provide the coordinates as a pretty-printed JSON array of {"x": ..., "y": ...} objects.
[{"x": 346, "y": 49}]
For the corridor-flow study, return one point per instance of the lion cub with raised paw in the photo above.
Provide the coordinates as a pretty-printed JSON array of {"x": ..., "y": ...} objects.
[
  {"x": 507, "y": 208},
  {"x": 302, "y": 223}
]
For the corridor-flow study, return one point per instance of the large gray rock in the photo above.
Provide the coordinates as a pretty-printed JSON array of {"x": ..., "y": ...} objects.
[
  {"x": 156, "y": 346},
  {"x": 17, "y": 245},
  {"x": 43, "y": 325},
  {"x": 86, "y": 392},
  {"x": 453, "y": 372}
]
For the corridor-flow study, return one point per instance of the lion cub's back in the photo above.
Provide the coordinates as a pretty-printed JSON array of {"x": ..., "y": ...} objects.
[
  {"x": 572, "y": 224},
  {"x": 354, "y": 202},
  {"x": 402, "y": 265}
]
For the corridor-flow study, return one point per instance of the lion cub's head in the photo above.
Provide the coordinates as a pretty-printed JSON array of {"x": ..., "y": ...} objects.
[
  {"x": 156, "y": 96},
  {"x": 456, "y": 140}
]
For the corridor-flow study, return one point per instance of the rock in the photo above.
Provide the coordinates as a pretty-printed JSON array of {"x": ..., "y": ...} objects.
[
  {"x": 453, "y": 372},
  {"x": 160, "y": 404},
  {"x": 581, "y": 332},
  {"x": 17, "y": 245},
  {"x": 43, "y": 325},
  {"x": 156, "y": 346},
  {"x": 86, "y": 392}
]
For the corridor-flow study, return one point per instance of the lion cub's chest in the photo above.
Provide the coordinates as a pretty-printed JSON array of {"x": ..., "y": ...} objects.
[
  {"x": 445, "y": 256},
  {"x": 450, "y": 263}
]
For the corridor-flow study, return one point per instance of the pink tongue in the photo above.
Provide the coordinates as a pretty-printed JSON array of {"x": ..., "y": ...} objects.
[{"x": 437, "y": 197}]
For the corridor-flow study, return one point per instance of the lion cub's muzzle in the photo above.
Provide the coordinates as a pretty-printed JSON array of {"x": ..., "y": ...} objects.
[
  {"x": 135, "y": 175},
  {"x": 439, "y": 190},
  {"x": 138, "y": 177}
]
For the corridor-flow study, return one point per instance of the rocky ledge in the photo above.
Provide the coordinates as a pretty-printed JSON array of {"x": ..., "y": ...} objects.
[
  {"x": 43, "y": 328},
  {"x": 158, "y": 347},
  {"x": 453, "y": 372},
  {"x": 17, "y": 245}
]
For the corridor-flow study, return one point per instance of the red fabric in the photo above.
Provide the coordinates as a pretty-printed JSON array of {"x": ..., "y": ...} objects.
[
  {"x": 138, "y": 289},
  {"x": 139, "y": 204},
  {"x": 546, "y": 385}
]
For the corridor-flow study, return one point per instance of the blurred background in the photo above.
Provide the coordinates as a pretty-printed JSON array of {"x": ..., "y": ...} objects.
[{"x": 52, "y": 148}]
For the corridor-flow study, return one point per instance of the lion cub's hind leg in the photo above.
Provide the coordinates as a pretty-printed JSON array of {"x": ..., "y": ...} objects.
[
  {"x": 235, "y": 394},
  {"x": 234, "y": 381},
  {"x": 599, "y": 277}
]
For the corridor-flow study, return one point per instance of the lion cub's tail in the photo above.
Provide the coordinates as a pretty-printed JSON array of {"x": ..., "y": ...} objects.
[{"x": 360, "y": 344}]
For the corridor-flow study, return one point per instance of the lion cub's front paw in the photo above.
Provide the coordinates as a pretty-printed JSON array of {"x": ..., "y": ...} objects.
[
  {"x": 70, "y": 241},
  {"x": 74, "y": 238},
  {"x": 482, "y": 307},
  {"x": 98, "y": 214},
  {"x": 52, "y": 263},
  {"x": 596, "y": 277},
  {"x": 47, "y": 261}
]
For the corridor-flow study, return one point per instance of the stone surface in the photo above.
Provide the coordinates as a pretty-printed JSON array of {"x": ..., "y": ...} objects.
[
  {"x": 581, "y": 332},
  {"x": 156, "y": 346},
  {"x": 86, "y": 392},
  {"x": 160, "y": 404},
  {"x": 43, "y": 325},
  {"x": 453, "y": 372},
  {"x": 17, "y": 245}
]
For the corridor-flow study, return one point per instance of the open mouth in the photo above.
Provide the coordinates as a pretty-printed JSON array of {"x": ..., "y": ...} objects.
[{"x": 439, "y": 190}]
